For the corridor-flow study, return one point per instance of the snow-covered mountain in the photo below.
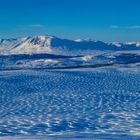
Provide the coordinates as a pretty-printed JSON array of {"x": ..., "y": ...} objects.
[{"x": 54, "y": 45}]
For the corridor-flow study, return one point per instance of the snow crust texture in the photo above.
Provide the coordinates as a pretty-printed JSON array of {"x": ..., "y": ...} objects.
[{"x": 69, "y": 102}]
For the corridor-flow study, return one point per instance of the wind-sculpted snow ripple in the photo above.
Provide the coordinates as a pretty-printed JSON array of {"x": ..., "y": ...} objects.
[{"x": 69, "y": 102}]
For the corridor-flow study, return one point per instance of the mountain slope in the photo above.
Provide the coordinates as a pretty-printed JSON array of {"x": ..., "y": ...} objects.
[{"x": 51, "y": 44}]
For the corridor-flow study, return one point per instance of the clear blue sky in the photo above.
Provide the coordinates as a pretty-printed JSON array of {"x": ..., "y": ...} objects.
[{"x": 107, "y": 20}]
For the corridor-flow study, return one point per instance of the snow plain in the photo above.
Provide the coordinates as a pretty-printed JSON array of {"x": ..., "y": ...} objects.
[{"x": 94, "y": 103}]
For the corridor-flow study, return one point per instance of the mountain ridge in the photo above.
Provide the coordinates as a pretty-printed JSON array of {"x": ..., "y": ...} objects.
[{"x": 51, "y": 44}]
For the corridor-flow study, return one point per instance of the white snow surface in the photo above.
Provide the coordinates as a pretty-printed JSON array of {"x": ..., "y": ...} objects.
[{"x": 70, "y": 103}]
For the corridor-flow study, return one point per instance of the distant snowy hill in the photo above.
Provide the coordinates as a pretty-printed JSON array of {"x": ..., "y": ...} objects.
[{"x": 54, "y": 45}]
